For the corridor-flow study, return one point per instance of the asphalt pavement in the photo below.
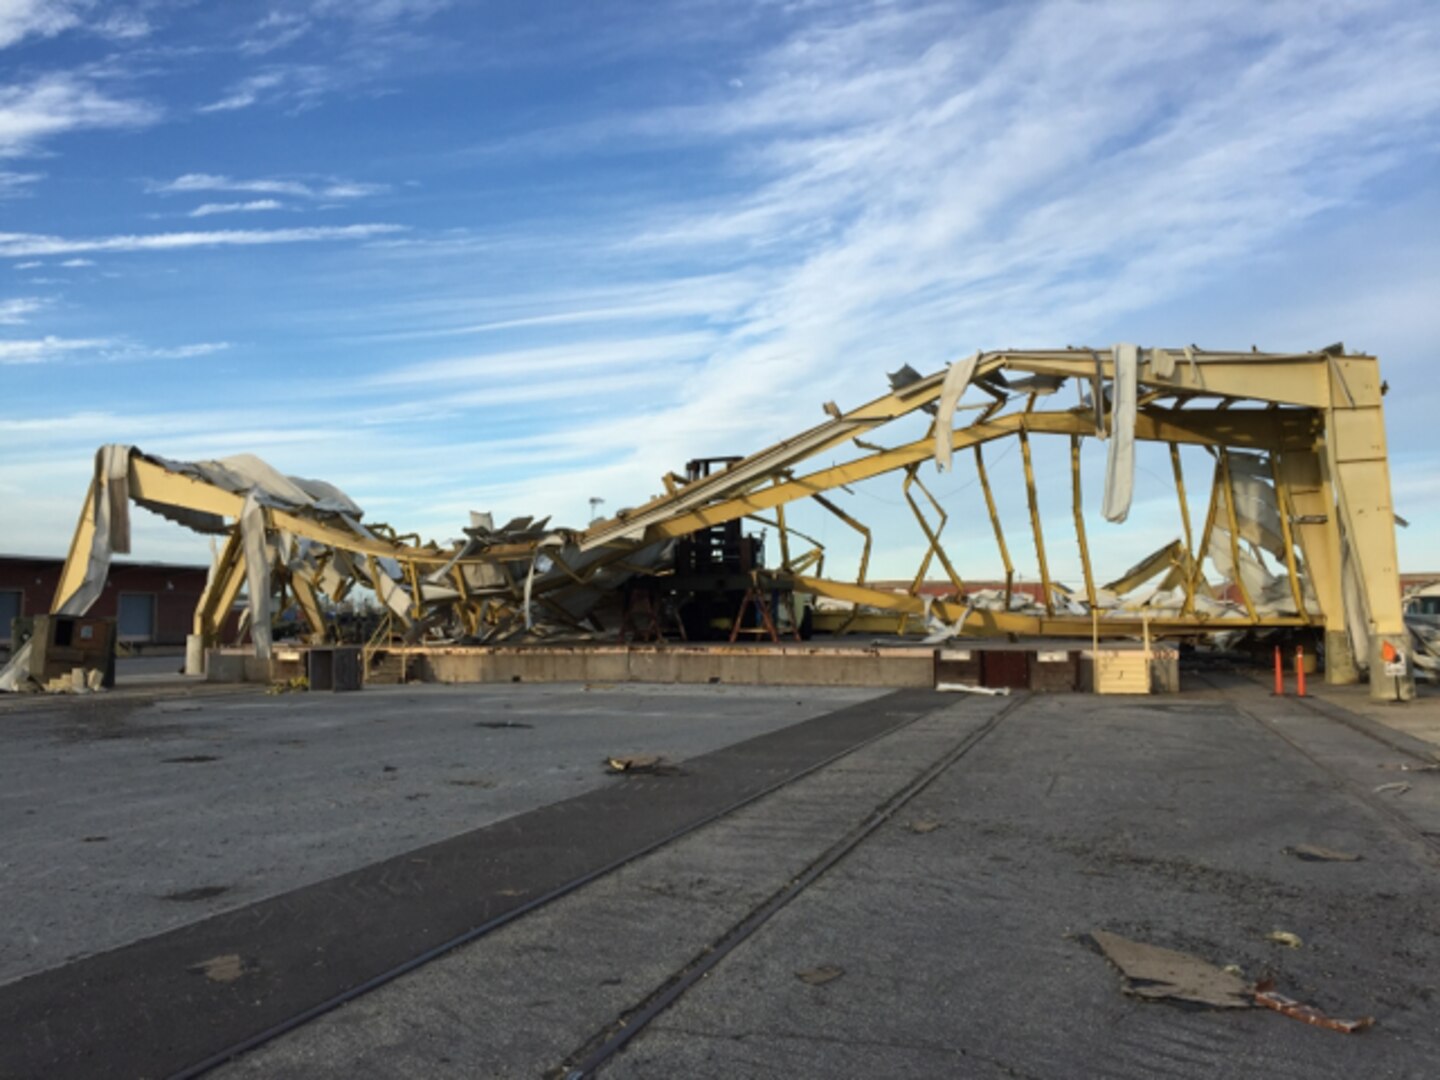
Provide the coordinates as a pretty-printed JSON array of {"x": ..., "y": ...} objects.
[{"x": 952, "y": 939}]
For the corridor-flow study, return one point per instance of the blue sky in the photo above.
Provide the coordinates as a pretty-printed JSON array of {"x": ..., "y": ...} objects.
[{"x": 507, "y": 256}]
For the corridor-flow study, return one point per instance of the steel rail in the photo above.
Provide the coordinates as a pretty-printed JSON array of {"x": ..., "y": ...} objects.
[{"x": 598, "y": 1051}]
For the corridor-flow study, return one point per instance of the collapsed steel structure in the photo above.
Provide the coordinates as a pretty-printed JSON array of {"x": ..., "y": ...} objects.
[{"x": 1300, "y": 475}]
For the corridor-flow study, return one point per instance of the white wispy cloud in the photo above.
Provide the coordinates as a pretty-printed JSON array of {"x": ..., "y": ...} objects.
[
  {"x": 332, "y": 188},
  {"x": 107, "y": 350},
  {"x": 15, "y": 184},
  {"x": 707, "y": 296},
  {"x": 18, "y": 310},
  {"x": 380, "y": 11},
  {"x": 58, "y": 103},
  {"x": 184, "y": 352},
  {"x": 919, "y": 176},
  {"x": 883, "y": 183},
  {"x": 43, "y": 350},
  {"x": 74, "y": 264},
  {"x": 20, "y": 19},
  {"x": 912, "y": 185},
  {"x": 280, "y": 29},
  {"x": 549, "y": 361},
  {"x": 122, "y": 25},
  {"x": 275, "y": 31},
  {"x": 250, "y": 90},
  {"x": 27, "y": 244},
  {"x": 298, "y": 86},
  {"x": 207, "y": 209}
]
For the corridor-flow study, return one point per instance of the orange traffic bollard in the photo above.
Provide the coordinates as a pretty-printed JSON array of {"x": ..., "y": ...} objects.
[
  {"x": 1299, "y": 670},
  {"x": 1279, "y": 673}
]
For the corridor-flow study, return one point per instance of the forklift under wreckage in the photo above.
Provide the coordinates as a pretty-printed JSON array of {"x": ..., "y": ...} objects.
[{"x": 1300, "y": 474}]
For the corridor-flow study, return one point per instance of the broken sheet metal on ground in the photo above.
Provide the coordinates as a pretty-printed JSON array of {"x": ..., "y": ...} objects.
[
  {"x": 1159, "y": 974},
  {"x": 1300, "y": 479}
]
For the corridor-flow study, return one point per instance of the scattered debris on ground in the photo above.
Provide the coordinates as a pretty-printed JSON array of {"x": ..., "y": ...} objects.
[
  {"x": 819, "y": 976},
  {"x": 1397, "y": 787},
  {"x": 78, "y": 681},
  {"x": 967, "y": 688},
  {"x": 923, "y": 825},
  {"x": 1156, "y": 974},
  {"x": 650, "y": 764},
  {"x": 1164, "y": 974},
  {"x": 1285, "y": 937},
  {"x": 1316, "y": 853},
  {"x": 1265, "y": 996},
  {"x": 225, "y": 968}
]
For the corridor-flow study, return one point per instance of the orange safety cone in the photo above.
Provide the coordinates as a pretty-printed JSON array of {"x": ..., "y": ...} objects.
[
  {"x": 1279, "y": 673},
  {"x": 1299, "y": 670}
]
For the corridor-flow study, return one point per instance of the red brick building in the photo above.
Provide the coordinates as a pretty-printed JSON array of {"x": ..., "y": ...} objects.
[{"x": 153, "y": 603}]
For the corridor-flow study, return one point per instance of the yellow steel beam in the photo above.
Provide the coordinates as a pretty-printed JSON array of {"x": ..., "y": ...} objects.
[
  {"x": 1287, "y": 535},
  {"x": 931, "y": 535},
  {"x": 305, "y": 597},
  {"x": 1250, "y": 429},
  {"x": 1360, "y": 472},
  {"x": 1317, "y": 526},
  {"x": 995, "y": 522},
  {"x": 1187, "y": 578},
  {"x": 221, "y": 590},
  {"x": 982, "y": 623},
  {"x": 77, "y": 562},
  {"x": 1291, "y": 379},
  {"x": 1236, "y": 576},
  {"x": 1035, "y": 526},
  {"x": 1079, "y": 511},
  {"x": 858, "y": 527},
  {"x": 1197, "y": 570}
]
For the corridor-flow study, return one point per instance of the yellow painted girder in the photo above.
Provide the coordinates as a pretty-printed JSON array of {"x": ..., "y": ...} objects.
[
  {"x": 77, "y": 562},
  {"x": 1251, "y": 429},
  {"x": 999, "y": 623}
]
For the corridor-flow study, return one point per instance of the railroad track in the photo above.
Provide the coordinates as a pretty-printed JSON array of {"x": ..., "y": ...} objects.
[
  {"x": 615, "y": 1036},
  {"x": 596, "y": 1052},
  {"x": 140, "y": 1009},
  {"x": 1336, "y": 715}
]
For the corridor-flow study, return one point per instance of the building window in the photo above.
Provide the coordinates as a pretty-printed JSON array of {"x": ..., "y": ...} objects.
[
  {"x": 137, "y": 616},
  {"x": 11, "y": 603}
]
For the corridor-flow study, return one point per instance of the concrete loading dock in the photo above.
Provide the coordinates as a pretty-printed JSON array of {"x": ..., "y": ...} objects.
[{"x": 1039, "y": 666}]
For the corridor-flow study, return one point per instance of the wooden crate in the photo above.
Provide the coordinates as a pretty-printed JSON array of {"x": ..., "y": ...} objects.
[{"x": 1130, "y": 669}]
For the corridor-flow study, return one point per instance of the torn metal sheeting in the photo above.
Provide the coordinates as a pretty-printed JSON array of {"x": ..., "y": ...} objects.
[
  {"x": 1266, "y": 996},
  {"x": 1157, "y": 973}
]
